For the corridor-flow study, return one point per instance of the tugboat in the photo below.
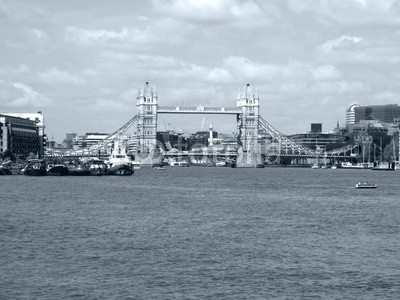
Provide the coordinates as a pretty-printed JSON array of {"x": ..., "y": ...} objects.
[
  {"x": 119, "y": 163},
  {"x": 35, "y": 167}
]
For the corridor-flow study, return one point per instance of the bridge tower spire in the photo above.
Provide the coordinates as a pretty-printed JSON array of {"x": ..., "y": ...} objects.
[
  {"x": 147, "y": 104},
  {"x": 248, "y": 126}
]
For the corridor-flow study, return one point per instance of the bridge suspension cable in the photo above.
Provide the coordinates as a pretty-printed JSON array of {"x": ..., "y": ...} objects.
[
  {"x": 290, "y": 144},
  {"x": 113, "y": 136},
  {"x": 285, "y": 141}
]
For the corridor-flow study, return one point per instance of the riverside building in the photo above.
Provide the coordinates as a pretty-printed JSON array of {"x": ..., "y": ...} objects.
[
  {"x": 316, "y": 139},
  {"x": 20, "y": 136},
  {"x": 89, "y": 139},
  {"x": 350, "y": 113},
  {"x": 384, "y": 113},
  {"x": 38, "y": 120}
]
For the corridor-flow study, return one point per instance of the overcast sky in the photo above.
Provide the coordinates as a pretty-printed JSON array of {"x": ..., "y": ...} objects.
[{"x": 81, "y": 62}]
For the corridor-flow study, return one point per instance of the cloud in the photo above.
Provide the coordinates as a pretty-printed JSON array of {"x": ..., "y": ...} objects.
[
  {"x": 244, "y": 69},
  {"x": 310, "y": 53},
  {"x": 211, "y": 11},
  {"x": 38, "y": 34},
  {"x": 18, "y": 11},
  {"x": 219, "y": 75},
  {"x": 8, "y": 72},
  {"x": 326, "y": 72},
  {"x": 22, "y": 96},
  {"x": 23, "y": 68},
  {"x": 54, "y": 75},
  {"x": 29, "y": 96},
  {"x": 387, "y": 96},
  {"x": 343, "y": 42},
  {"x": 84, "y": 36},
  {"x": 162, "y": 31}
]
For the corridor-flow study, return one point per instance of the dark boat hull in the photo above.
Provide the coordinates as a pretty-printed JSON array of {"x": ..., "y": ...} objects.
[
  {"x": 35, "y": 168},
  {"x": 78, "y": 171},
  {"x": 121, "y": 170},
  {"x": 5, "y": 171},
  {"x": 35, "y": 172},
  {"x": 97, "y": 172},
  {"x": 58, "y": 171},
  {"x": 366, "y": 187}
]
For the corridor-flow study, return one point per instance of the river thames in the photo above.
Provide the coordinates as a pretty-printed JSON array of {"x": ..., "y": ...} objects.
[{"x": 201, "y": 233}]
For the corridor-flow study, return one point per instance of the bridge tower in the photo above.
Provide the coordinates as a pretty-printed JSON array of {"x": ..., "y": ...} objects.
[
  {"x": 147, "y": 104},
  {"x": 248, "y": 123}
]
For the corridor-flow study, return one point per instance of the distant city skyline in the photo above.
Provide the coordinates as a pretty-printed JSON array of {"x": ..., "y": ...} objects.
[{"x": 82, "y": 62}]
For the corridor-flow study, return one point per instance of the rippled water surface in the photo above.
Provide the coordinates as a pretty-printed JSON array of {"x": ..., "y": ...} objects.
[{"x": 201, "y": 233}]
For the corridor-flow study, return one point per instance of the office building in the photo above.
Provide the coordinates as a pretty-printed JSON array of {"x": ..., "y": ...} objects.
[
  {"x": 316, "y": 140},
  {"x": 89, "y": 139},
  {"x": 201, "y": 139},
  {"x": 20, "y": 136},
  {"x": 39, "y": 121},
  {"x": 384, "y": 113},
  {"x": 316, "y": 127},
  {"x": 168, "y": 140},
  {"x": 350, "y": 113}
]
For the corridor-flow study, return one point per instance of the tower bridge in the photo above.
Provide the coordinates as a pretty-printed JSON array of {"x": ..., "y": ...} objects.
[
  {"x": 251, "y": 129},
  {"x": 198, "y": 110}
]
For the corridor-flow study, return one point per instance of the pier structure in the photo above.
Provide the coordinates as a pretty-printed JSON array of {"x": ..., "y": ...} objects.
[{"x": 252, "y": 130}]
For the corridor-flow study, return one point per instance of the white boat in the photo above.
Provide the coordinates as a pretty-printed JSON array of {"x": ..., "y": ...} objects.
[
  {"x": 119, "y": 163},
  {"x": 349, "y": 165},
  {"x": 365, "y": 185},
  {"x": 136, "y": 165},
  {"x": 179, "y": 163},
  {"x": 333, "y": 167},
  {"x": 314, "y": 166}
]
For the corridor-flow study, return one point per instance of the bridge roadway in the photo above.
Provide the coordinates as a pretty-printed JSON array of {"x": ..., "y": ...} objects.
[
  {"x": 213, "y": 153},
  {"x": 311, "y": 156},
  {"x": 199, "y": 110},
  {"x": 208, "y": 153}
]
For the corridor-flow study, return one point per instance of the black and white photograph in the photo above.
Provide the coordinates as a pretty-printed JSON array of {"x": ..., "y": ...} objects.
[{"x": 199, "y": 149}]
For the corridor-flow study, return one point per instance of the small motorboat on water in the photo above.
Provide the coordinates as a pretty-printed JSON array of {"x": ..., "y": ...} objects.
[
  {"x": 159, "y": 168},
  {"x": 364, "y": 185}
]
